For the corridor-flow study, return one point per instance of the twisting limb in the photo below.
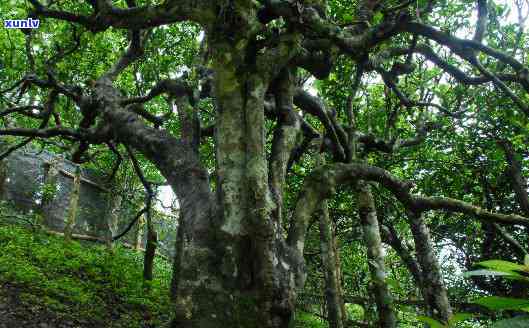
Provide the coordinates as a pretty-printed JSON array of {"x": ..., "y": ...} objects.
[
  {"x": 174, "y": 87},
  {"x": 427, "y": 52},
  {"x": 133, "y": 52},
  {"x": 391, "y": 237},
  {"x": 106, "y": 15},
  {"x": 467, "y": 49},
  {"x": 141, "y": 111},
  {"x": 130, "y": 225},
  {"x": 388, "y": 79},
  {"x": 46, "y": 114},
  {"x": 71, "y": 92},
  {"x": 501, "y": 85},
  {"x": 24, "y": 110},
  {"x": 463, "y": 48},
  {"x": 13, "y": 87},
  {"x": 511, "y": 240},
  {"x": 323, "y": 182},
  {"x": 117, "y": 163},
  {"x": 150, "y": 248},
  {"x": 516, "y": 178},
  {"x": 315, "y": 106}
]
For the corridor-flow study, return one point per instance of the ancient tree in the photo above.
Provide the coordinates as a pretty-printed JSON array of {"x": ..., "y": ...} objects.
[{"x": 241, "y": 260}]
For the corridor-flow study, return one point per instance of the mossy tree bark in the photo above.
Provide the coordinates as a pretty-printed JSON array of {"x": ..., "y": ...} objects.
[
  {"x": 433, "y": 287},
  {"x": 375, "y": 255},
  {"x": 328, "y": 258},
  {"x": 339, "y": 279},
  {"x": 252, "y": 283}
]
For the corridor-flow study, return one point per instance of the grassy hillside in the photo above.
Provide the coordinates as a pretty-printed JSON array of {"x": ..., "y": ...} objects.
[{"x": 46, "y": 282}]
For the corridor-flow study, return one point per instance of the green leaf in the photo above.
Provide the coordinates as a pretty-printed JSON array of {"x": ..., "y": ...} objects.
[
  {"x": 518, "y": 322},
  {"x": 485, "y": 273},
  {"x": 503, "y": 266},
  {"x": 431, "y": 322},
  {"x": 347, "y": 17},
  {"x": 502, "y": 303},
  {"x": 378, "y": 17}
]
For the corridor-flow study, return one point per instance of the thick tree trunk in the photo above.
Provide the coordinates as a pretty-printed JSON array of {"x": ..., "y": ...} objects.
[
  {"x": 375, "y": 255},
  {"x": 238, "y": 271},
  {"x": 328, "y": 258},
  {"x": 242, "y": 273},
  {"x": 433, "y": 287}
]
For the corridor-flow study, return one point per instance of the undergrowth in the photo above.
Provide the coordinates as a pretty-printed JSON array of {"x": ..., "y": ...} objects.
[{"x": 83, "y": 282}]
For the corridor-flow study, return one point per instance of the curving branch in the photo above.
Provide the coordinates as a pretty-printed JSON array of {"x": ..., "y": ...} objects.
[
  {"x": 285, "y": 137},
  {"x": 467, "y": 49},
  {"x": 106, "y": 15},
  {"x": 316, "y": 107},
  {"x": 174, "y": 87},
  {"x": 322, "y": 183}
]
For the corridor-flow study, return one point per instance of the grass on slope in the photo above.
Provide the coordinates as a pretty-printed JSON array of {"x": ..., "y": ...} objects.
[{"x": 82, "y": 282}]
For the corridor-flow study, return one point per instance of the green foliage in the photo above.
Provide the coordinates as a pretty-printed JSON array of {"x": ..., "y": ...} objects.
[
  {"x": 508, "y": 270},
  {"x": 501, "y": 268},
  {"x": 307, "y": 320},
  {"x": 503, "y": 303},
  {"x": 81, "y": 281},
  {"x": 49, "y": 190},
  {"x": 453, "y": 322}
]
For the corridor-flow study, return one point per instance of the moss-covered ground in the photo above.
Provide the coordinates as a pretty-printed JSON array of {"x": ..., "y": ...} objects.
[{"x": 81, "y": 284}]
